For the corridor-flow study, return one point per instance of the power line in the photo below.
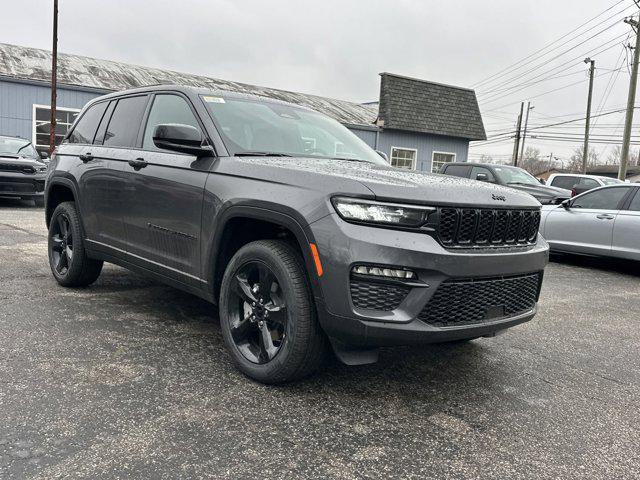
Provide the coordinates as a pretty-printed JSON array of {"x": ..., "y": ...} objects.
[{"x": 504, "y": 70}]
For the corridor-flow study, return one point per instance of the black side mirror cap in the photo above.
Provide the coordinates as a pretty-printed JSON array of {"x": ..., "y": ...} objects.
[
  {"x": 180, "y": 138},
  {"x": 482, "y": 177},
  {"x": 44, "y": 155},
  {"x": 541, "y": 180},
  {"x": 566, "y": 204}
]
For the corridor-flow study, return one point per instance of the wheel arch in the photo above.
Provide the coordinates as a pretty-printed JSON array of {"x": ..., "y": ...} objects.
[
  {"x": 59, "y": 190},
  {"x": 242, "y": 224}
]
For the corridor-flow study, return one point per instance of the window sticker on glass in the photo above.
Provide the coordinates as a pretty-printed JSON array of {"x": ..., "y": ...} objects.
[{"x": 209, "y": 99}]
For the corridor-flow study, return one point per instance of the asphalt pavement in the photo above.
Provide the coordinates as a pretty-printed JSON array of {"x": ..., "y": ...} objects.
[{"x": 130, "y": 379}]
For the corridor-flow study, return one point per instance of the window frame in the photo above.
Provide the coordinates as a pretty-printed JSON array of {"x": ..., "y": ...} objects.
[
  {"x": 433, "y": 154},
  {"x": 34, "y": 121},
  {"x": 620, "y": 205},
  {"x": 414, "y": 162},
  {"x": 138, "y": 139}
]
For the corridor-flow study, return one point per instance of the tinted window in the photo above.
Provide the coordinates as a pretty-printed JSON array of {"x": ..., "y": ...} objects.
[
  {"x": 635, "y": 203},
  {"x": 476, "y": 170},
  {"x": 167, "y": 109},
  {"x": 85, "y": 129},
  {"x": 103, "y": 123},
  {"x": 564, "y": 182},
  {"x": 125, "y": 122},
  {"x": 588, "y": 183},
  {"x": 605, "y": 199},
  {"x": 457, "y": 170}
]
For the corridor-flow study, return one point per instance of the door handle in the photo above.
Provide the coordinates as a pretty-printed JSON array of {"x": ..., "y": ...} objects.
[
  {"x": 138, "y": 163},
  {"x": 86, "y": 157},
  {"x": 604, "y": 216}
]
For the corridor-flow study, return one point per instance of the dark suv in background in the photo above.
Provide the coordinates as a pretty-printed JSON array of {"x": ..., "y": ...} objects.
[
  {"x": 22, "y": 170},
  {"x": 302, "y": 234},
  {"x": 508, "y": 176}
]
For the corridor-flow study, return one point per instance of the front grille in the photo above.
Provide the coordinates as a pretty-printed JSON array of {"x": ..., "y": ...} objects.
[
  {"x": 469, "y": 301},
  {"x": 12, "y": 167},
  {"x": 16, "y": 187},
  {"x": 483, "y": 227},
  {"x": 377, "y": 296}
]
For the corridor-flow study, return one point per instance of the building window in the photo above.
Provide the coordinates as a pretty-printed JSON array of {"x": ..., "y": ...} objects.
[
  {"x": 439, "y": 159},
  {"x": 42, "y": 124},
  {"x": 403, "y": 158}
]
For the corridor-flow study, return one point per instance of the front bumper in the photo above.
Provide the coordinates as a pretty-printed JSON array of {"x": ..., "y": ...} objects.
[
  {"x": 17, "y": 184},
  {"x": 343, "y": 245}
]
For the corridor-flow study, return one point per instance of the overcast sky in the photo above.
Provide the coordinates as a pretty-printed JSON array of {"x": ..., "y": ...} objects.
[{"x": 337, "y": 48}]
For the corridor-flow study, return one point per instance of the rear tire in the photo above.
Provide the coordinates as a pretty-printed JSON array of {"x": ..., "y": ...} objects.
[
  {"x": 278, "y": 339},
  {"x": 67, "y": 257}
]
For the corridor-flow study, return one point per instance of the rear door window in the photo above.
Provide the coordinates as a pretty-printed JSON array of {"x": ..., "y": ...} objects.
[
  {"x": 588, "y": 183},
  {"x": 457, "y": 170},
  {"x": 85, "y": 129},
  {"x": 564, "y": 182},
  {"x": 125, "y": 122},
  {"x": 604, "y": 199}
]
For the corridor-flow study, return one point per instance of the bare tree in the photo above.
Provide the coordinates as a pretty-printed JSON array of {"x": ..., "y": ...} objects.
[
  {"x": 614, "y": 156},
  {"x": 533, "y": 162},
  {"x": 575, "y": 162}
]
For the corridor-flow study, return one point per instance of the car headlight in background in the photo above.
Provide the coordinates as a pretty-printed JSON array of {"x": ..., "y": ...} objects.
[{"x": 367, "y": 211}]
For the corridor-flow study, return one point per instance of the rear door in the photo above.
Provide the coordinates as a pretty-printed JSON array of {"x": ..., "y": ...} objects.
[
  {"x": 626, "y": 231},
  {"x": 163, "y": 217},
  {"x": 587, "y": 226},
  {"x": 99, "y": 183}
]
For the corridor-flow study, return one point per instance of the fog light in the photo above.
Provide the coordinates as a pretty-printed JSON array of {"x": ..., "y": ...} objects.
[{"x": 383, "y": 272}]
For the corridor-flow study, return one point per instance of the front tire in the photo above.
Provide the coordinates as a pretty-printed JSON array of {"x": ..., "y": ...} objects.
[
  {"x": 67, "y": 257},
  {"x": 267, "y": 314}
]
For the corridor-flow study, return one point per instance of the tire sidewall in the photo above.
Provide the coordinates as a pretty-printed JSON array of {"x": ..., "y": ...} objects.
[
  {"x": 296, "y": 313},
  {"x": 74, "y": 270}
]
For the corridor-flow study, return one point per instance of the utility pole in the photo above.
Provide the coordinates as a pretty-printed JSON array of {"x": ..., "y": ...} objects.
[
  {"x": 585, "y": 150},
  {"x": 524, "y": 133},
  {"x": 631, "y": 100},
  {"x": 54, "y": 78},
  {"x": 516, "y": 143}
]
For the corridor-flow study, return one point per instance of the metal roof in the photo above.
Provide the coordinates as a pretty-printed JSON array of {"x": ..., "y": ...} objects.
[
  {"x": 428, "y": 107},
  {"x": 26, "y": 63}
]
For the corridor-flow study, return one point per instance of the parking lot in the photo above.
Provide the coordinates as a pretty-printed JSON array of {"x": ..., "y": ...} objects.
[{"x": 130, "y": 377}]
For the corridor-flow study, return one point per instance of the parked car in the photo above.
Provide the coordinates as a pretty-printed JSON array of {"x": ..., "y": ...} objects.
[
  {"x": 579, "y": 183},
  {"x": 603, "y": 221},
  {"x": 303, "y": 235},
  {"x": 22, "y": 170},
  {"x": 509, "y": 176}
]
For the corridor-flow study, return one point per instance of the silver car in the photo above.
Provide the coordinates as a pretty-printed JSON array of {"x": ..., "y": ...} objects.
[{"x": 603, "y": 221}]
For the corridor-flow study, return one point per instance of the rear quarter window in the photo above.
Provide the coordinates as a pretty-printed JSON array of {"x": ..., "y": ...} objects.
[{"x": 85, "y": 130}]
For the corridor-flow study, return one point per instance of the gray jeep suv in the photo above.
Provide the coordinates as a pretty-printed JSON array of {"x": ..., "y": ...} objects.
[{"x": 303, "y": 235}]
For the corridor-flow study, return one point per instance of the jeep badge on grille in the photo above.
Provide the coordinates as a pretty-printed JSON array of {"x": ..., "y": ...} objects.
[{"x": 501, "y": 198}]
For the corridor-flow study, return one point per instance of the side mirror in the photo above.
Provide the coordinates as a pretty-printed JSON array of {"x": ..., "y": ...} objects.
[
  {"x": 482, "y": 177},
  {"x": 383, "y": 155},
  {"x": 44, "y": 155},
  {"x": 180, "y": 138},
  {"x": 566, "y": 204},
  {"x": 541, "y": 180}
]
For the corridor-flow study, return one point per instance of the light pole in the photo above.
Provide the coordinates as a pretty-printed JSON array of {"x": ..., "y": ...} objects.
[{"x": 524, "y": 133}]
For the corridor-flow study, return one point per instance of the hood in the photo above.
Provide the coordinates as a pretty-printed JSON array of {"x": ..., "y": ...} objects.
[
  {"x": 23, "y": 161},
  {"x": 543, "y": 191},
  {"x": 383, "y": 182}
]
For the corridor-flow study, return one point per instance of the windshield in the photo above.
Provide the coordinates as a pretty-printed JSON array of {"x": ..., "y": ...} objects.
[
  {"x": 17, "y": 147},
  {"x": 250, "y": 126},
  {"x": 515, "y": 175},
  {"x": 610, "y": 181}
]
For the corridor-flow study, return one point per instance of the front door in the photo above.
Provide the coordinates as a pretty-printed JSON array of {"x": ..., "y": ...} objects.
[
  {"x": 163, "y": 219},
  {"x": 587, "y": 226}
]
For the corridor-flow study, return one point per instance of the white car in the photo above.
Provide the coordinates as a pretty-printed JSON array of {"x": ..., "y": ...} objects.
[
  {"x": 579, "y": 182},
  {"x": 604, "y": 221}
]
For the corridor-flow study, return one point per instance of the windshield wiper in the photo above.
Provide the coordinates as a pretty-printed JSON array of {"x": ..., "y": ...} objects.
[{"x": 260, "y": 154}]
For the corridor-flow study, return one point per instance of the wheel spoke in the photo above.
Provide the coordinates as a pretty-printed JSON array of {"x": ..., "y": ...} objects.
[
  {"x": 68, "y": 252},
  {"x": 62, "y": 225},
  {"x": 267, "y": 347},
  {"x": 57, "y": 243},
  {"x": 243, "y": 289},
  {"x": 63, "y": 262},
  {"x": 241, "y": 329}
]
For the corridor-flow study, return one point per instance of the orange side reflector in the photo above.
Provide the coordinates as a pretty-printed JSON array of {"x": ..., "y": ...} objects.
[{"x": 316, "y": 258}]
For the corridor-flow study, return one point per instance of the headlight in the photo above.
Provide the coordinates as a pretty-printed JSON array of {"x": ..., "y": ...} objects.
[{"x": 366, "y": 211}]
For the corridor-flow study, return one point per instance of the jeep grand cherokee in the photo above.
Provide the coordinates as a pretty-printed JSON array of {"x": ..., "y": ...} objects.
[{"x": 303, "y": 235}]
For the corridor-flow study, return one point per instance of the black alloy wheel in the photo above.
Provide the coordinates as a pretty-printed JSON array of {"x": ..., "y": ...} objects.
[
  {"x": 62, "y": 244},
  {"x": 257, "y": 313}
]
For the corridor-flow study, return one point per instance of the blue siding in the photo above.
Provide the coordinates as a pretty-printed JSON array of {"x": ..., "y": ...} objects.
[
  {"x": 367, "y": 136},
  {"x": 425, "y": 144},
  {"x": 17, "y": 100}
]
